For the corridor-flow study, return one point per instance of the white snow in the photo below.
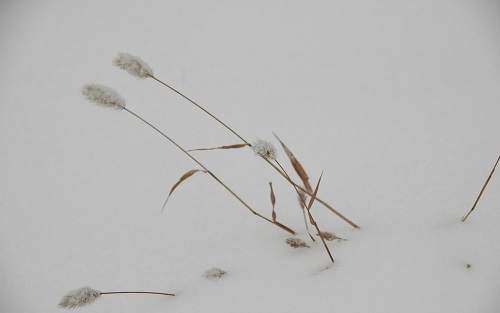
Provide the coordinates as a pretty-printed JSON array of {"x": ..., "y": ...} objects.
[{"x": 396, "y": 101}]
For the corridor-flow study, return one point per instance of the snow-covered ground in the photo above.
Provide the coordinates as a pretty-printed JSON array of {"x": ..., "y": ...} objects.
[{"x": 397, "y": 102}]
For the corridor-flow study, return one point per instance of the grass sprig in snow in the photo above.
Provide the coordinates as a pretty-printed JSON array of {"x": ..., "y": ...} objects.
[
  {"x": 115, "y": 99},
  {"x": 139, "y": 68},
  {"x": 85, "y": 296}
]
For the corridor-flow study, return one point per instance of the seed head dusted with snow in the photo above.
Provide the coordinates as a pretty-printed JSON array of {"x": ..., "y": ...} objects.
[
  {"x": 264, "y": 148},
  {"x": 214, "y": 273},
  {"x": 103, "y": 95},
  {"x": 79, "y": 297},
  {"x": 134, "y": 65}
]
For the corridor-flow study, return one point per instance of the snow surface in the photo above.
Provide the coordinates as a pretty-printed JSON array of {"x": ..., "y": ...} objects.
[{"x": 397, "y": 101}]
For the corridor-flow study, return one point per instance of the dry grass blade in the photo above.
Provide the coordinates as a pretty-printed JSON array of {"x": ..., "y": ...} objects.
[
  {"x": 273, "y": 200},
  {"x": 313, "y": 196},
  {"x": 482, "y": 190},
  {"x": 313, "y": 222},
  {"x": 296, "y": 165},
  {"x": 236, "y": 146},
  {"x": 183, "y": 178}
]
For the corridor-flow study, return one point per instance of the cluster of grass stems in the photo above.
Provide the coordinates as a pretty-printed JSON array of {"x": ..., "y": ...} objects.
[
  {"x": 265, "y": 150},
  {"x": 307, "y": 196}
]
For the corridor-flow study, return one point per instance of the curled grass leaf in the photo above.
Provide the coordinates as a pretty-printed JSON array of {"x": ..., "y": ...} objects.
[{"x": 183, "y": 178}]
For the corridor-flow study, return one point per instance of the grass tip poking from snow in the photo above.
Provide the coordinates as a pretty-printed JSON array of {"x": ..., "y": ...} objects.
[
  {"x": 214, "y": 273},
  {"x": 134, "y": 65}
]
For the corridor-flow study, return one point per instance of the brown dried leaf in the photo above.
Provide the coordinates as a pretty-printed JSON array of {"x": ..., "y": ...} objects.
[
  {"x": 236, "y": 146},
  {"x": 183, "y": 178},
  {"x": 296, "y": 165}
]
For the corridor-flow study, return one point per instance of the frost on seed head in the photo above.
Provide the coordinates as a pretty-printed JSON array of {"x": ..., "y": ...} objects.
[
  {"x": 79, "y": 297},
  {"x": 103, "y": 95},
  {"x": 214, "y": 273},
  {"x": 134, "y": 65},
  {"x": 264, "y": 148}
]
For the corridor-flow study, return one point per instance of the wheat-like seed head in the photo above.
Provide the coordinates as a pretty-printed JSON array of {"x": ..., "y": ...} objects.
[
  {"x": 104, "y": 96},
  {"x": 264, "y": 148},
  {"x": 134, "y": 65},
  {"x": 79, "y": 297}
]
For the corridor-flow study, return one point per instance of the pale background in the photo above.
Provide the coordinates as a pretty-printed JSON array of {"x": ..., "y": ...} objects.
[{"x": 397, "y": 101}]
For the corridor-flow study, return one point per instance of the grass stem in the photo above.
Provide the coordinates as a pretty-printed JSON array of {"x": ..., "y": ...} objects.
[
  {"x": 482, "y": 190},
  {"x": 210, "y": 173},
  {"x": 246, "y": 142},
  {"x": 146, "y": 292}
]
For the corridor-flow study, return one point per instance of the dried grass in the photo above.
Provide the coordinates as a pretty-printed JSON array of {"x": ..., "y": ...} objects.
[
  {"x": 482, "y": 190},
  {"x": 329, "y": 236},
  {"x": 236, "y": 146},
  {"x": 296, "y": 166},
  {"x": 296, "y": 243},
  {"x": 183, "y": 178}
]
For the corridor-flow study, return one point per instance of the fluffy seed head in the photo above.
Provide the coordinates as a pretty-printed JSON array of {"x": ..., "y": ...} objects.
[
  {"x": 103, "y": 95},
  {"x": 214, "y": 273},
  {"x": 134, "y": 65},
  {"x": 79, "y": 297},
  {"x": 264, "y": 148}
]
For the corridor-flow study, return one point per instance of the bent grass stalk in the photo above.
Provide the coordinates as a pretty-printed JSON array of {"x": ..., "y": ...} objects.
[
  {"x": 247, "y": 143},
  {"x": 108, "y": 97},
  {"x": 302, "y": 200},
  {"x": 210, "y": 173}
]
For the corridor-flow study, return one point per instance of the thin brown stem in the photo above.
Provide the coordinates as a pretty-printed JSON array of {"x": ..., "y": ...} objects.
[
  {"x": 210, "y": 173},
  {"x": 313, "y": 222},
  {"x": 245, "y": 141},
  {"x": 303, "y": 202},
  {"x": 482, "y": 190},
  {"x": 199, "y": 107},
  {"x": 310, "y": 194},
  {"x": 147, "y": 292}
]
